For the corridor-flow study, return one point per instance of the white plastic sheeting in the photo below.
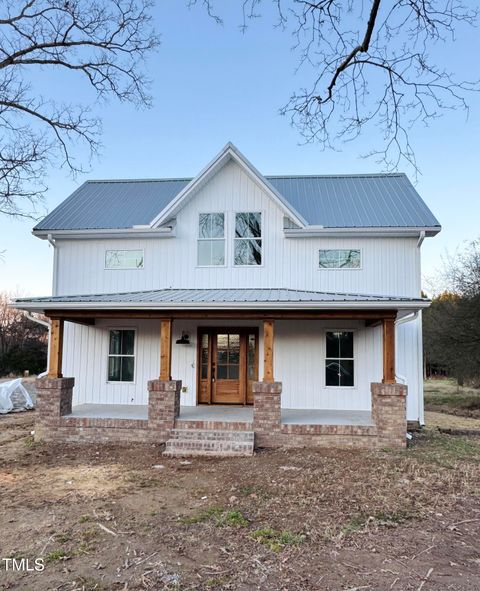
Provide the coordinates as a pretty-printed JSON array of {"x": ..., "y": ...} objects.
[{"x": 10, "y": 390}]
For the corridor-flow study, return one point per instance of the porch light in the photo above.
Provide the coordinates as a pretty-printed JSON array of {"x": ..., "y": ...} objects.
[{"x": 184, "y": 339}]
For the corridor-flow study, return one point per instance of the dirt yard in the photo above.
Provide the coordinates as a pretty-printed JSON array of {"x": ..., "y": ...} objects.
[{"x": 128, "y": 518}]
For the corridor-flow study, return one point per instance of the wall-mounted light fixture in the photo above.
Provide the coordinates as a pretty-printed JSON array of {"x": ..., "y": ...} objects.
[{"x": 184, "y": 339}]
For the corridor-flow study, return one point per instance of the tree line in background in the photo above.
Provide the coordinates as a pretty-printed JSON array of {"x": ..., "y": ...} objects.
[
  {"x": 23, "y": 343},
  {"x": 451, "y": 326}
]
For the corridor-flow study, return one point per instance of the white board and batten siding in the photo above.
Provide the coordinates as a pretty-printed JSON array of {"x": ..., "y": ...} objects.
[
  {"x": 389, "y": 266},
  {"x": 299, "y": 363}
]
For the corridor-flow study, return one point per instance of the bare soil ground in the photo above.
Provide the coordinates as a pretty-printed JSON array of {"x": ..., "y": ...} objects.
[{"x": 112, "y": 518}]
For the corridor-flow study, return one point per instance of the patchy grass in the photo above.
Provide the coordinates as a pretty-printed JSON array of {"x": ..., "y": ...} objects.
[
  {"x": 447, "y": 396},
  {"x": 445, "y": 450},
  {"x": 380, "y": 519},
  {"x": 220, "y": 517},
  {"x": 276, "y": 540},
  {"x": 55, "y": 555}
]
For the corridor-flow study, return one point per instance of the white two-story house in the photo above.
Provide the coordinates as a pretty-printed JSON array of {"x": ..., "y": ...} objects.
[{"x": 288, "y": 307}]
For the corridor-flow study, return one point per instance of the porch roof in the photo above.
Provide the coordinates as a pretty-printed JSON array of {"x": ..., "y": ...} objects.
[{"x": 221, "y": 299}]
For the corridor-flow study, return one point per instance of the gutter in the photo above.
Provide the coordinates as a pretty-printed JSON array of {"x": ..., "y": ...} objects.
[
  {"x": 306, "y": 305},
  {"x": 135, "y": 232},
  {"x": 48, "y": 325},
  {"x": 318, "y": 231}
]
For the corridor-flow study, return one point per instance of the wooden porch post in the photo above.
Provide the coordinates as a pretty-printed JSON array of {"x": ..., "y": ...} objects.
[
  {"x": 268, "y": 343},
  {"x": 166, "y": 349},
  {"x": 388, "y": 351},
  {"x": 56, "y": 348}
]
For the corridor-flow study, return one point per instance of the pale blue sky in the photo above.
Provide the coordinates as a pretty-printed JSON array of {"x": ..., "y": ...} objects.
[{"x": 213, "y": 84}]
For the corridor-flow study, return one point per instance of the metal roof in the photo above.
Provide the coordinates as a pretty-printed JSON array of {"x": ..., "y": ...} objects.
[
  {"x": 349, "y": 201},
  {"x": 205, "y": 297}
]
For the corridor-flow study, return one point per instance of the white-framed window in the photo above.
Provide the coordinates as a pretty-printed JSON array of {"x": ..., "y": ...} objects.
[
  {"x": 121, "y": 355},
  {"x": 339, "y": 259},
  {"x": 339, "y": 359},
  {"x": 248, "y": 238},
  {"x": 211, "y": 239},
  {"x": 124, "y": 259}
]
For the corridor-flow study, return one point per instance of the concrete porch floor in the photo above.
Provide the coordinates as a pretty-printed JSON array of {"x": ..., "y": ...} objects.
[{"x": 225, "y": 413}]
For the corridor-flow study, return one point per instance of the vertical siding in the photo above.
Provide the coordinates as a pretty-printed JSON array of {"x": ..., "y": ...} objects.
[
  {"x": 299, "y": 362},
  {"x": 390, "y": 266}
]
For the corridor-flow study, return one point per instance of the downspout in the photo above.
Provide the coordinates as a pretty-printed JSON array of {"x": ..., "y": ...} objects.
[
  {"x": 421, "y": 238},
  {"x": 404, "y": 320},
  {"x": 54, "y": 245},
  {"x": 47, "y": 324}
]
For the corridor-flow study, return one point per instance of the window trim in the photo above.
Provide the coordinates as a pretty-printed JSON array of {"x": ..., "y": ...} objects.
[
  {"x": 225, "y": 233},
  {"x": 134, "y": 328},
  {"x": 261, "y": 237},
  {"x": 142, "y": 250},
  {"x": 359, "y": 268},
  {"x": 354, "y": 358}
]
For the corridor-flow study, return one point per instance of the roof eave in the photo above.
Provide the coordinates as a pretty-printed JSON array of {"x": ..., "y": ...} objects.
[
  {"x": 97, "y": 233},
  {"x": 305, "y": 305},
  {"x": 315, "y": 231}
]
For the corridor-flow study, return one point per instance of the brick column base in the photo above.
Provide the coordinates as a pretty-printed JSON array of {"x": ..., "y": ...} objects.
[
  {"x": 389, "y": 413},
  {"x": 163, "y": 404},
  {"x": 267, "y": 416},
  {"x": 54, "y": 400}
]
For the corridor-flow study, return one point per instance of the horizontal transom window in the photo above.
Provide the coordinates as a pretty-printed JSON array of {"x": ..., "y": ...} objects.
[
  {"x": 339, "y": 259},
  {"x": 124, "y": 259}
]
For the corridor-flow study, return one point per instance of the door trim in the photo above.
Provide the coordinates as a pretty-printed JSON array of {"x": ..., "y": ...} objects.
[{"x": 243, "y": 377}]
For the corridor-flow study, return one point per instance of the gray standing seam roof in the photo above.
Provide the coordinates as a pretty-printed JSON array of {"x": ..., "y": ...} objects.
[
  {"x": 230, "y": 295},
  {"x": 349, "y": 201}
]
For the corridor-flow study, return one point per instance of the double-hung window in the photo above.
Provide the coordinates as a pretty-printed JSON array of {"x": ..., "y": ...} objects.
[
  {"x": 339, "y": 362},
  {"x": 211, "y": 239},
  {"x": 339, "y": 259},
  {"x": 248, "y": 238},
  {"x": 121, "y": 355}
]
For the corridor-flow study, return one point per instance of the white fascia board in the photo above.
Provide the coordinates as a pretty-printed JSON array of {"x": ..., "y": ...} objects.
[
  {"x": 318, "y": 231},
  {"x": 164, "y": 232},
  {"x": 348, "y": 305},
  {"x": 229, "y": 152}
]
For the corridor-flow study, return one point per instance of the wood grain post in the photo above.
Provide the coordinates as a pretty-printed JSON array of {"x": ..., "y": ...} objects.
[
  {"x": 56, "y": 348},
  {"x": 268, "y": 343},
  {"x": 388, "y": 351},
  {"x": 166, "y": 349}
]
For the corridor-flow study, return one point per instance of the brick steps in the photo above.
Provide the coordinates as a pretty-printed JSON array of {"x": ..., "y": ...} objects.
[{"x": 206, "y": 442}]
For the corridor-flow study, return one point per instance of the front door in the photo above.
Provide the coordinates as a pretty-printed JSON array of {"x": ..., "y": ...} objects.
[{"x": 228, "y": 365}]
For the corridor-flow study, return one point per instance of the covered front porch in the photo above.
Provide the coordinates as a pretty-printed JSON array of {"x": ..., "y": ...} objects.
[
  {"x": 224, "y": 413},
  {"x": 294, "y": 368}
]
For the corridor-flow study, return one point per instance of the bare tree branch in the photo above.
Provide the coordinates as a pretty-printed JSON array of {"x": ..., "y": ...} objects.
[{"x": 105, "y": 42}]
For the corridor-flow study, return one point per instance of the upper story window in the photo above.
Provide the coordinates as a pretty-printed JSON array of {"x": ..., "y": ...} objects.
[
  {"x": 121, "y": 355},
  {"x": 248, "y": 238},
  {"x": 211, "y": 239},
  {"x": 124, "y": 259},
  {"x": 339, "y": 361},
  {"x": 339, "y": 259}
]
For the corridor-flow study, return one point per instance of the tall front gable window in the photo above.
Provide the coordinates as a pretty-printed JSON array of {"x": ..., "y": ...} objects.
[
  {"x": 211, "y": 239},
  {"x": 339, "y": 362},
  {"x": 248, "y": 238}
]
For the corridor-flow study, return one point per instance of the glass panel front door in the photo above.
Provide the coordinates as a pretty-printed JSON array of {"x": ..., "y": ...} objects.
[{"x": 228, "y": 365}]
